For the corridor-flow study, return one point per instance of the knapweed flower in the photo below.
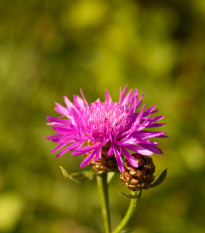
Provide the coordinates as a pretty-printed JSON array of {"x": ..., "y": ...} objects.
[{"x": 117, "y": 124}]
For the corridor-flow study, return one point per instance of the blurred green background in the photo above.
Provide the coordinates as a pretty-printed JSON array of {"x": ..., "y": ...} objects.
[{"x": 49, "y": 49}]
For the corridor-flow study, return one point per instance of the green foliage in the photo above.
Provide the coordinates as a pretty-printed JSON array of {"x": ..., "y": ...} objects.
[
  {"x": 132, "y": 195},
  {"x": 160, "y": 179},
  {"x": 78, "y": 177}
]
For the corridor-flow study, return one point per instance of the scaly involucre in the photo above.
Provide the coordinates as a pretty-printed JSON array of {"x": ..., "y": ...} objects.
[{"x": 118, "y": 124}]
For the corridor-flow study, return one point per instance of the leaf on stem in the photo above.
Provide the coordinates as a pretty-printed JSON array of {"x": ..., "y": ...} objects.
[
  {"x": 133, "y": 195},
  {"x": 84, "y": 176},
  {"x": 78, "y": 177},
  {"x": 160, "y": 179}
]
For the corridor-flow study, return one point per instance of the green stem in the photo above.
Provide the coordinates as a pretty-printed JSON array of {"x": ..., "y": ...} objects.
[
  {"x": 103, "y": 191},
  {"x": 129, "y": 213}
]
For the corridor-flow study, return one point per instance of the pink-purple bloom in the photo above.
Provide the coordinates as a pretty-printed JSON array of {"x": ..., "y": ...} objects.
[{"x": 116, "y": 123}]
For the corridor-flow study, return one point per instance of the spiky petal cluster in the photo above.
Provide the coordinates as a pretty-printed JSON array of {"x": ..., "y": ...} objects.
[{"x": 114, "y": 123}]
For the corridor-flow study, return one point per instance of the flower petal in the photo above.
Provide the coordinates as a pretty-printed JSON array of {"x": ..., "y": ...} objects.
[
  {"x": 58, "y": 138},
  {"x": 60, "y": 109},
  {"x": 68, "y": 103},
  {"x": 122, "y": 95},
  {"x": 88, "y": 159},
  {"x": 156, "y": 125},
  {"x": 127, "y": 98},
  {"x": 155, "y": 119},
  {"x": 127, "y": 142},
  {"x": 139, "y": 150},
  {"x": 118, "y": 159},
  {"x": 98, "y": 154},
  {"x": 60, "y": 146},
  {"x": 135, "y": 124},
  {"x": 58, "y": 120},
  {"x": 65, "y": 130},
  {"x": 70, "y": 147},
  {"x": 134, "y": 100},
  {"x": 110, "y": 151},
  {"x": 130, "y": 158},
  {"x": 107, "y": 97},
  {"x": 148, "y": 134},
  {"x": 85, "y": 149},
  {"x": 149, "y": 111},
  {"x": 81, "y": 91},
  {"x": 78, "y": 102},
  {"x": 140, "y": 101},
  {"x": 137, "y": 121},
  {"x": 151, "y": 148}
]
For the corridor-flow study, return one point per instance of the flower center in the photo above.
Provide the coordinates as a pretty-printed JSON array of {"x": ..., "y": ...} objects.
[{"x": 105, "y": 120}]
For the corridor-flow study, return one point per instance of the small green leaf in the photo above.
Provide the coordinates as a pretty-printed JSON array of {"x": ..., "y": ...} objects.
[
  {"x": 66, "y": 174},
  {"x": 160, "y": 179},
  {"x": 133, "y": 195},
  {"x": 83, "y": 176},
  {"x": 78, "y": 177}
]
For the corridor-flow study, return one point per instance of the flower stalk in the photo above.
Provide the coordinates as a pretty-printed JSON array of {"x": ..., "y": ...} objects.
[
  {"x": 130, "y": 211},
  {"x": 103, "y": 192}
]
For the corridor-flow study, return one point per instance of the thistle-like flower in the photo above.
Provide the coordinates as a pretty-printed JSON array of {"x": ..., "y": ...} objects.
[{"x": 117, "y": 124}]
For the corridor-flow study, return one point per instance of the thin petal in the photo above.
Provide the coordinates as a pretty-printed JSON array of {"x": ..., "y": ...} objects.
[
  {"x": 151, "y": 148},
  {"x": 58, "y": 138},
  {"x": 66, "y": 130},
  {"x": 130, "y": 158},
  {"x": 127, "y": 142},
  {"x": 140, "y": 101},
  {"x": 60, "y": 109},
  {"x": 59, "y": 120},
  {"x": 78, "y": 102},
  {"x": 148, "y": 134},
  {"x": 107, "y": 97},
  {"x": 81, "y": 91},
  {"x": 139, "y": 150},
  {"x": 149, "y": 111},
  {"x": 137, "y": 121},
  {"x": 63, "y": 151},
  {"x": 98, "y": 154},
  {"x": 155, "y": 119},
  {"x": 127, "y": 98},
  {"x": 85, "y": 149},
  {"x": 156, "y": 125},
  {"x": 118, "y": 159},
  {"x": 110, "y": 151},
  {"x": 75, "y": 116},
  {"x": 88, "y": 159},
  {"x": 68, "y": 103},
  {"x": 139, "y": 116},
  {"x": 134, "y": 99},
  {"x": 145, "y": 141},
  {"x": 123, "y": 94},
  {"x": 70, "y": 147},
  {"x": 60, "y": 146}
]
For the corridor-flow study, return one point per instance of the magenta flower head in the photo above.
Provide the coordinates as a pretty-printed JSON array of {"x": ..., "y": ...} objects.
[{"x": 117, "y": 124}]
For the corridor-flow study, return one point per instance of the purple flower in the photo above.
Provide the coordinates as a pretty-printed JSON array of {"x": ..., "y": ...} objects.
[{"x": 106, "y": 122}]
